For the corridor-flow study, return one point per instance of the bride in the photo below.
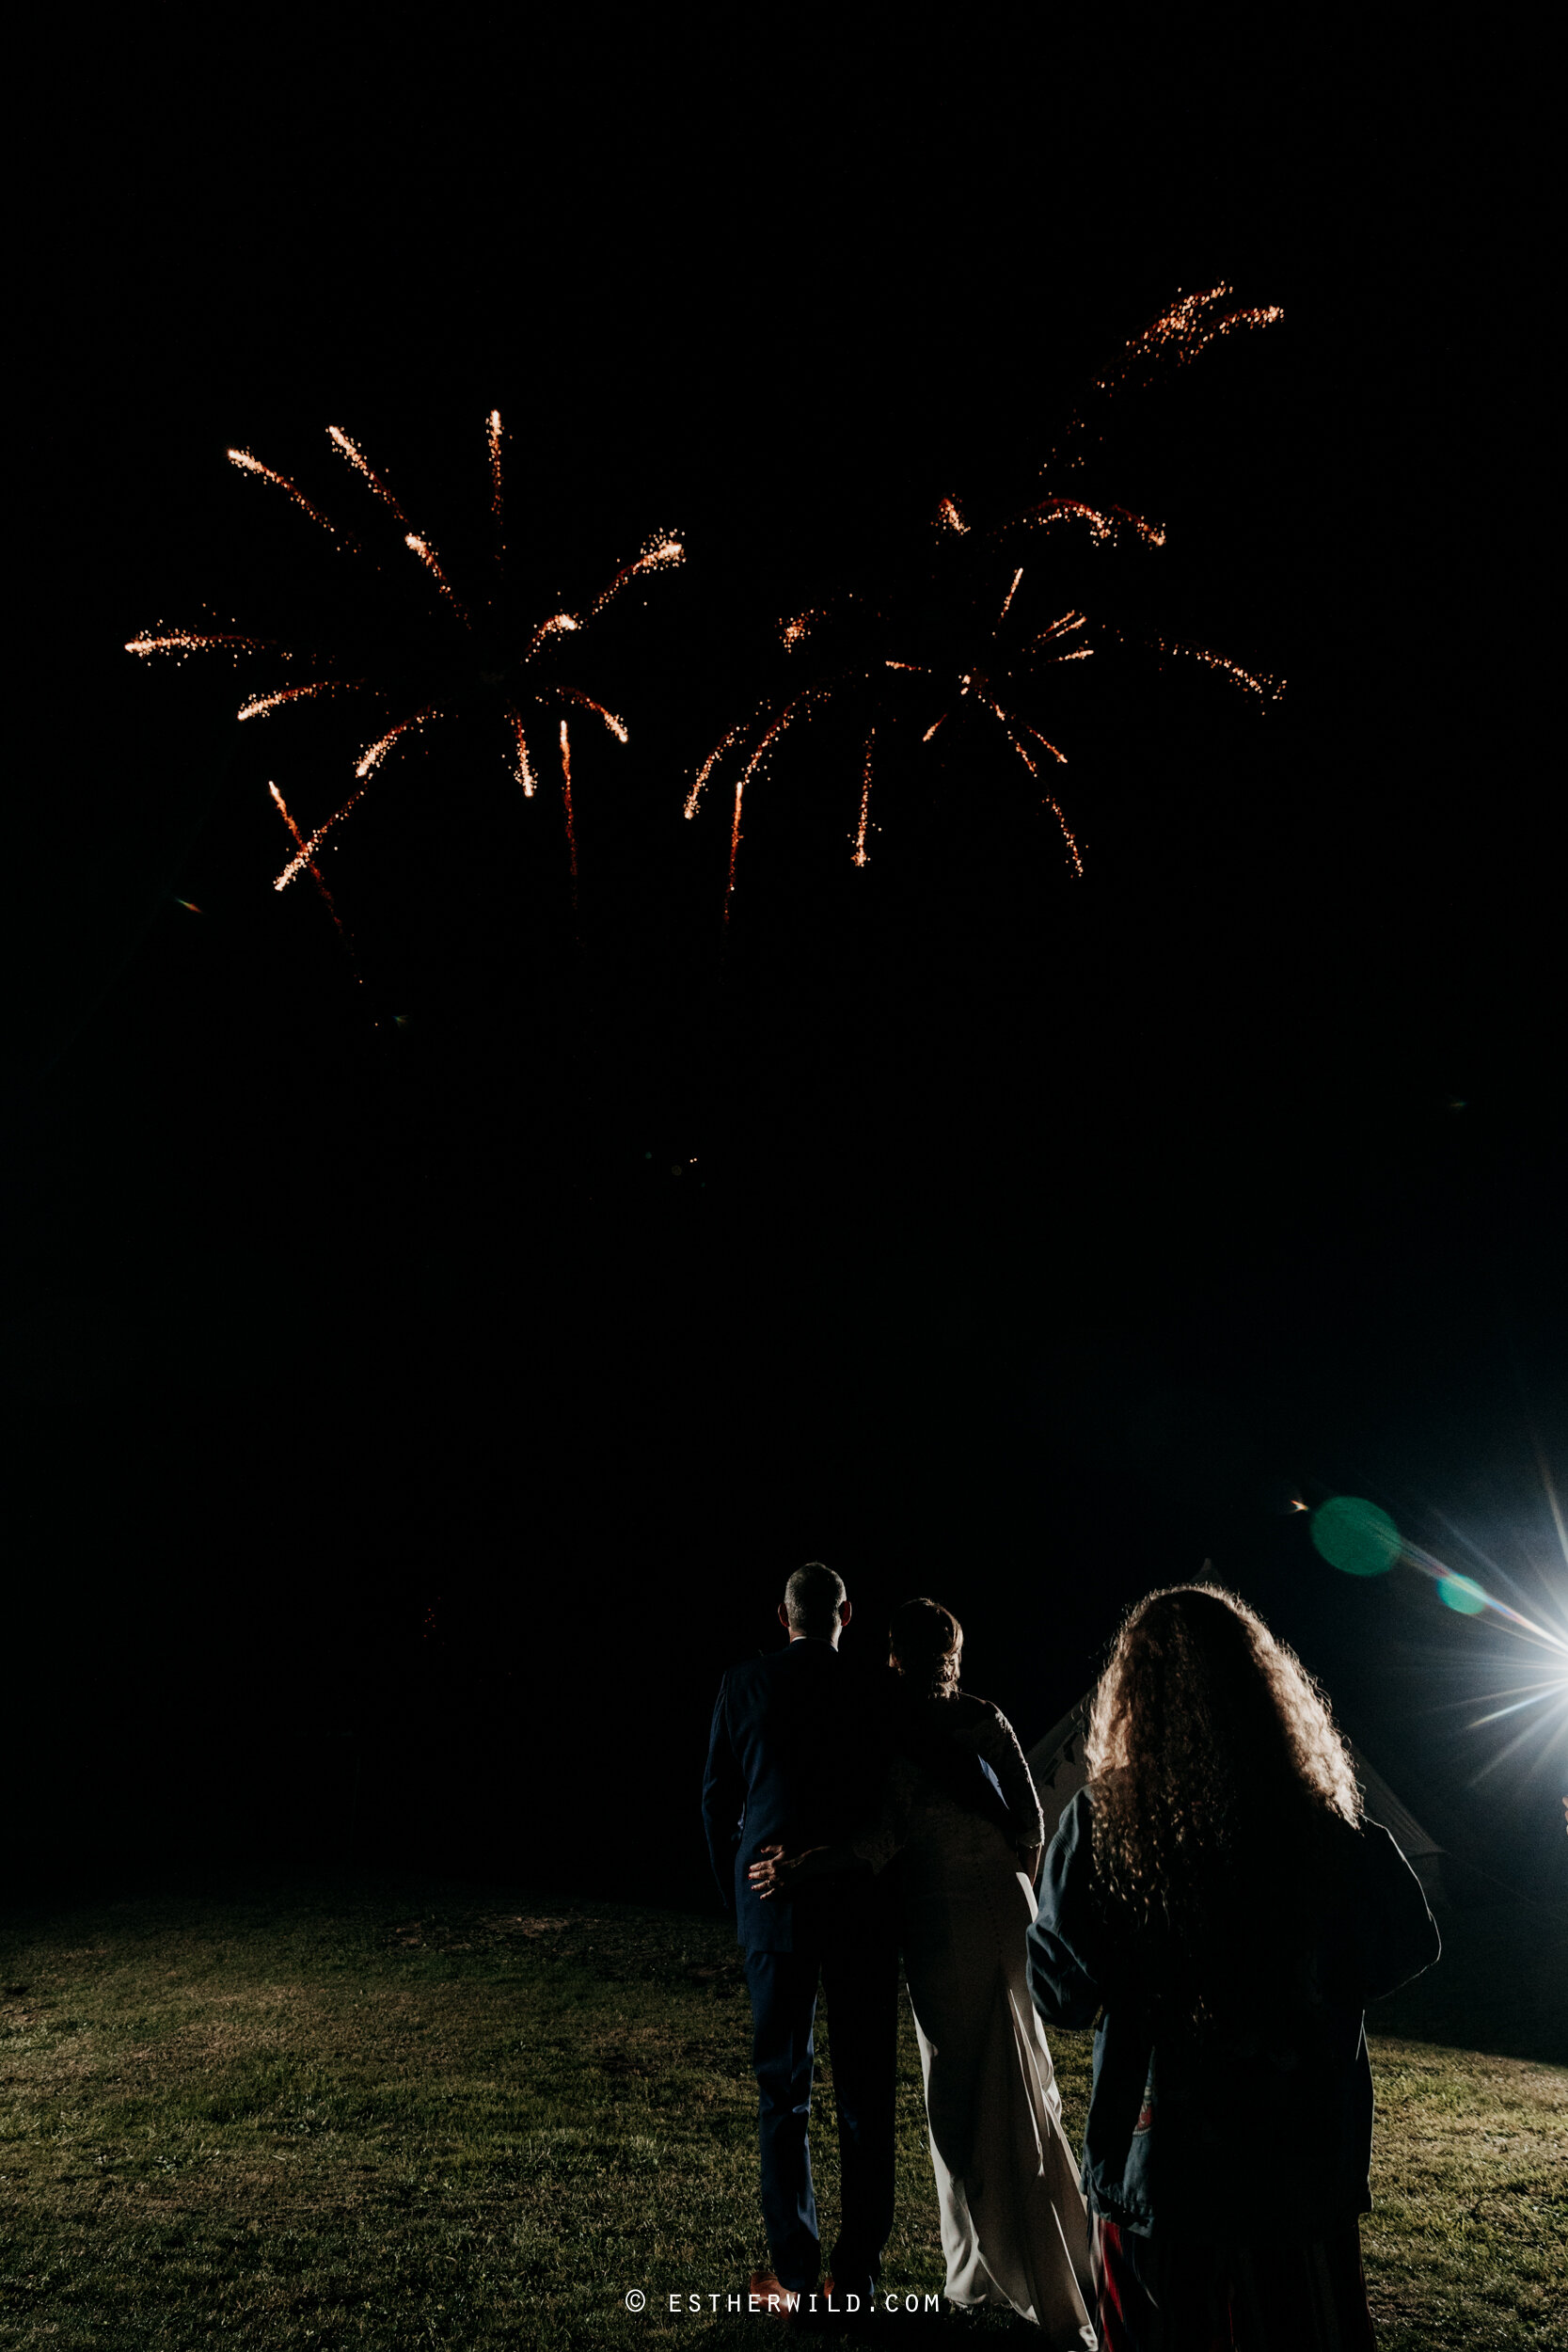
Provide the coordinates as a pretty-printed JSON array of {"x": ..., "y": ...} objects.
[{"x": 961, "y": 1815}]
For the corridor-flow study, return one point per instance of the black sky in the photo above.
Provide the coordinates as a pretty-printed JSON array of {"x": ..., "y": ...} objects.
[{"x": 1031, "y": 1239}]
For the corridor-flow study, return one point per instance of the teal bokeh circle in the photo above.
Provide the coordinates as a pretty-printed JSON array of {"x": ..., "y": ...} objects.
[
  {"x": 1355, "y": 1536},
  {"x": 1461, "y": 1592}
]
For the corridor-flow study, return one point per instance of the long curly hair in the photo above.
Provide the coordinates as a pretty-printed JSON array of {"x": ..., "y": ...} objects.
[
  {"x": 1220, "y": 1791},
  {"x": 926, "y": 1644}
]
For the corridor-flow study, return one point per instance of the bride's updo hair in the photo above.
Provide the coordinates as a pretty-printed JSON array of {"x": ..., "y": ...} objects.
[{"x": 927, "y": 1642}]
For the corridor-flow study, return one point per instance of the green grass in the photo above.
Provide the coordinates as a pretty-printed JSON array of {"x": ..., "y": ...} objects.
[{"x": 367, "y": 2117}]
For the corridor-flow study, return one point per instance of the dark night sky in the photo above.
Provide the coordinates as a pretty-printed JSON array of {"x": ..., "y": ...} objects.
[{"x": 1033, "y": 1238}]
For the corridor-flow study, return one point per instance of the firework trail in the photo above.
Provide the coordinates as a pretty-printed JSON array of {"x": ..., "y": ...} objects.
[
  {"x": 261, "y": 704},
  {"x": 1103, "y": 523},
  {"x": 242, "y": 458},
  {"x": 566, "y": 804},
  {"x": 656, "y": 554},
  {"x": 1186, "y": 327},
  {"x": 955, "y": 686},
  {"x": 428, "y": 557},
  {"x": 524, "y": 773},
  {"x": 301, "y": 861},
  {"x": 183, "y": 642},
  {"x": 361, "y": 464},
  {"x": 862, "y": 855},
  {"x": 316, "y": 875},
  {"x": 711, "y": 762},
  {"x": 786, "y": 719},
  {"x": 990, "y": 679},
  {"x": 1266, "y": 688},
  {"x": 493, "y": 433},
  {"x": 507, "y": 669}
]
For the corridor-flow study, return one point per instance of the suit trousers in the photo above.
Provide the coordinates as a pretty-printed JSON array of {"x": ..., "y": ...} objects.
[{"x": 859, "y": 1979}]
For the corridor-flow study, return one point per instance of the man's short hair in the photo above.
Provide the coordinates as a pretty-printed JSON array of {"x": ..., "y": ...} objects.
[{"x": 813, "y": 1598}]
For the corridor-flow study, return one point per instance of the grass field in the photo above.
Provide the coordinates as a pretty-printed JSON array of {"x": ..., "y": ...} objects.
[{"x": 410, "y": 2114}]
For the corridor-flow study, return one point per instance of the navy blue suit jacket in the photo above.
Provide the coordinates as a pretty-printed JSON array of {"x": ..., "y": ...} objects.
[{"x": 797, "y": 1758}]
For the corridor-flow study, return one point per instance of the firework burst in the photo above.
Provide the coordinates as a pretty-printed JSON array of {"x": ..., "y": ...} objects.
[
  {"x": 955, "y": 642},
  {"x": 469, "y": 644}
]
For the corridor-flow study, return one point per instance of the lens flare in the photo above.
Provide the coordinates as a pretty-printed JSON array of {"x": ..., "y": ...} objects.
[
  {"x": 1461, "y": 1592},
  {"x": 1355, "y": 1536}
]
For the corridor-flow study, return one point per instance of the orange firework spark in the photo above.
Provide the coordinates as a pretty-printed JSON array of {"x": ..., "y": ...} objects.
[
  {"x": 1103, "y": 522},
  {"x": 361, "y": 464},
  {"x": 1062, "y": 626},
  {"x": 428, "y": 557},
  {"x": 509, "y": 643},
  {"x": 617, "y": 727},
  {"x": 567, "y": 802},
  {"x": 525, "y": 774},
  {"x": 1185, "y": 329},
  {"x": 181, "y": 641},
  {"x": 316, "y": 875},
  {"x": 299, "y": 864},
  {"x": 370, "y": 760},
  {"x": 1181, "y": 332},
  {"x": 1050, "y": 801},
  {"x": 557, "y": 623},
  {"x": 655, "y": 556},
  {"x": 242, "y": 458},
  {"x": 801, "y": 702},
  {"x": 1266, "y": 688},
  {"x": 862, "y": 855},
  {"x": 261, "y": 704},
  {"x": 710, "y": 763},
  {"x": 493, "y": 430}
]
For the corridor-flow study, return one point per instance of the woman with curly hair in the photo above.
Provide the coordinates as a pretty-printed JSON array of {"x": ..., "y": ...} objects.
[
  {"x": 1215, "y": 1894},
  {"x": 961, "y": 1815}
]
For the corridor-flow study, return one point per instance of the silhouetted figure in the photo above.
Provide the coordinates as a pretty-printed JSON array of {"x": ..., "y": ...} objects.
[
  {"x": 796, "y": 1759},
  {"x": 1215, "y": 1892}
]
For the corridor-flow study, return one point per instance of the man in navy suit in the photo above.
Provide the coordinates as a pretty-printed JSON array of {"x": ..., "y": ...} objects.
[{"x": 797, "y": 1759}]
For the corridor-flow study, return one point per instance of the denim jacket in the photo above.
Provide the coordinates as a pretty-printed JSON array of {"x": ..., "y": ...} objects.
[{"x": 1265, "y": 2134}]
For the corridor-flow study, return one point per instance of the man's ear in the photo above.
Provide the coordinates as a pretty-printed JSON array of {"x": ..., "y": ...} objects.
[
  {"x": 847, "y": 1612},
  {"x": 784, "y": 1617}
]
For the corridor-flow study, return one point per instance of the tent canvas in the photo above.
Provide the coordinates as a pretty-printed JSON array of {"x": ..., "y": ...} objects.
[{"x": 1056, "y": 1765}]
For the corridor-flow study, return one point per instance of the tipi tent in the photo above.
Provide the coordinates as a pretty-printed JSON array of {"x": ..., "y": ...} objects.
[{"x": 1056, "y": 1763}]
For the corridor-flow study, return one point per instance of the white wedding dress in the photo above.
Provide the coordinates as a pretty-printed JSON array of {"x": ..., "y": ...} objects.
[{"x": 1013, "y": 2227}]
